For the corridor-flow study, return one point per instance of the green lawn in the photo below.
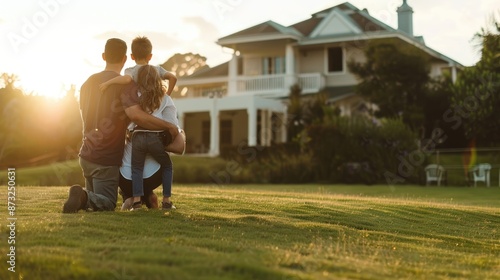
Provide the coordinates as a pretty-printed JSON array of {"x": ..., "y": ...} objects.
[{"x": 262, "y": 232}]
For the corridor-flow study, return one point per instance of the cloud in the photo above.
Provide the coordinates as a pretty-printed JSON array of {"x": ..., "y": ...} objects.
[
  {"x": 201, "y": 40},
  {"x": 111, "y": 34},
  {"x": 190, "y": 34},
  {"x": 208, "y": 30},
  {"x": 158, "y": 39}
]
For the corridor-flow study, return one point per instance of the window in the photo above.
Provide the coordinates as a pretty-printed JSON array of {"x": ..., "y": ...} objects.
[
  {"x": 273, "y": 65},
  {"x": 335, "y": 59}
]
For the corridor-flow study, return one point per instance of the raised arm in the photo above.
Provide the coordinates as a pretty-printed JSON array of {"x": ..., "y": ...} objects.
[
  {"x": 172, "y": 80},
  {"x": 143, "y": 119},
  {"x": 122, "y": 80}
]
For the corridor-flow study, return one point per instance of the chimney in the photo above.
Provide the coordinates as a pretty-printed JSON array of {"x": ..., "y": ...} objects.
[{"x": 405, "y": 18}]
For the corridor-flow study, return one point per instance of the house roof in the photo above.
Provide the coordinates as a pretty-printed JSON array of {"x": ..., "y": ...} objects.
[
  {"x": 340, "y": 92},
  {"x": 340, "y": 23},
  {"x": 344, "y": 6},
  {"x": 362, "y": 18},
  {"x": 221, "y": 70},
  {"x": 307, "y": 26},
  {"x": 332, "y": 93},
  {"x": 359, "y": 18},
  {"x": 269, "y": 29}
]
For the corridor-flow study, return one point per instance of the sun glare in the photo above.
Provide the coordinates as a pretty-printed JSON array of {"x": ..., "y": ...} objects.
[{"x": 42, "y": 86}]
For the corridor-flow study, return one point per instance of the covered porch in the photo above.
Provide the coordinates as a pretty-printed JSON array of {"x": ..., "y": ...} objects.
[{"x": 215, "y": 123}]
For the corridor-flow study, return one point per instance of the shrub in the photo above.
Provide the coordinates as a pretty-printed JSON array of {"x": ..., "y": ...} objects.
[{"x": 356, "y": 150}]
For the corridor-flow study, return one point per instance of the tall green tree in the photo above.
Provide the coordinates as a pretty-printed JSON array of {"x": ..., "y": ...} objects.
[
  {"x": 475, "y": 96},
  {"x": 395, "y": 77}
]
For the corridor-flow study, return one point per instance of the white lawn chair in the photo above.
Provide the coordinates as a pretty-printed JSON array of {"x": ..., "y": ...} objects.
[
  {"x": 434, "y": 173},
  {"x": 481, "y": 173}
]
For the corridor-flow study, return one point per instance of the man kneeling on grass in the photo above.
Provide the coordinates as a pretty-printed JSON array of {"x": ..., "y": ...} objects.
[{"x": 105, "y": 118}]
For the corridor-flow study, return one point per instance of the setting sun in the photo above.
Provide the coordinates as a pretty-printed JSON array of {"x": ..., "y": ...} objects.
[{"x": 43, "y": 86}]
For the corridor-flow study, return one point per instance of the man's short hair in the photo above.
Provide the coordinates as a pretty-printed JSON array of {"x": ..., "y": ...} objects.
[
  {"x": 141, "y": 47},
  {"x": 115, "y": 50}
]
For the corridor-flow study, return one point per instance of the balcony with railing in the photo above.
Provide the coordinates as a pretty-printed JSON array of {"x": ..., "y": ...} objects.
[
  {"x": 312, "y": 82},
  {"x": 271, "y": 85},
  {"x": 279, "y": 84}
]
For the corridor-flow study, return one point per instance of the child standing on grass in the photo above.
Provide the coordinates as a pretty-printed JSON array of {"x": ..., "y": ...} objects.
[{"x": 153, "y": 100}]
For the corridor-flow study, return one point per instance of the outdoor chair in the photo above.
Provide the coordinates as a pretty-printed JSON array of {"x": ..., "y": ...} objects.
[
  {"x": 481, "y": 173},
  {"x": 434, "y": 173}
]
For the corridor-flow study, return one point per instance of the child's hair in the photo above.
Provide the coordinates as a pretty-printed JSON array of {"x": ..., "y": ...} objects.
[
  {"x": 141, "y": 47},
  {"x": 150, "y": 87}
]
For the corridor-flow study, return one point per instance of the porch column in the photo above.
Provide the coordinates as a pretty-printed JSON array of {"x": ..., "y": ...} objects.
[
  {"x": 252, "y": 126},
  {"x": 264, "y": 127},
  {"x": 290, "y": 78},
  {"x": 453, "y": 73},
  {"x": 232, "y": 86},
  {"x": 268, "y": 132},
  {"x": 214, "y": 129},
  {"x": 180, "y": 117},
  {"x": 283, "y": 127}
]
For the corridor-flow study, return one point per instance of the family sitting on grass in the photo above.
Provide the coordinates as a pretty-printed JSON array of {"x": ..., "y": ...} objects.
[{"x": 129, "y": 126}]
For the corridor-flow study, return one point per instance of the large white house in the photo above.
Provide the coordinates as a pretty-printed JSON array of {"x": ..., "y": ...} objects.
[{"x": 243, "y": 101}]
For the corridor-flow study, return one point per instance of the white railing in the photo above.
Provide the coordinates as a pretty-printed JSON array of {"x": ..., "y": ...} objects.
[
  {"x": 265, "y": 83},
  {"x": 311, "y": 82}
]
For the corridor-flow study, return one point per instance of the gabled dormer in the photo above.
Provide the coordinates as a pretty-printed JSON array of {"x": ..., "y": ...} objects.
[
  {"x": 335, "y": 22},
  {"x": 340, "y": 21},
  {"x": 266, "y": 31}
]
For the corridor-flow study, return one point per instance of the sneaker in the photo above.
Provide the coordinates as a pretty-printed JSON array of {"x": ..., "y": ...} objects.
[
  {"x": 137, "y": 206},
  {"x": 77, "y": 200},
  {"x": 167, "y": 206}
]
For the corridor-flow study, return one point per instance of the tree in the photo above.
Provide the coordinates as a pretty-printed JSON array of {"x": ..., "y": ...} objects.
[
  {"x": 10, "y": 115},
  {"x": 475, "y": 96},
  {"x": 302, "y": 111},
  {"x": 437, "y": 110},
  {"x": 295, "y": 123},
  {"x": 36, "y": 129},
  {"x": 184, "y": 65},
  {"x": 9, "y": 88},
  {"x": 394, "y": 77}
]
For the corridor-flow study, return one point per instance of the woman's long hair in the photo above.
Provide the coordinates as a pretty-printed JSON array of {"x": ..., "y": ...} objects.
[{"x": 150, "y": 87}]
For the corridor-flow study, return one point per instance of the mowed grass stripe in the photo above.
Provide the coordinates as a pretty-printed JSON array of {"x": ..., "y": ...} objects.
[{"x": 264, "y": 232}]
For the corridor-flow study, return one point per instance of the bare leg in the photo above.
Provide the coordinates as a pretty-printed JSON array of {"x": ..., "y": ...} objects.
[{"x": 127, "y": 204}]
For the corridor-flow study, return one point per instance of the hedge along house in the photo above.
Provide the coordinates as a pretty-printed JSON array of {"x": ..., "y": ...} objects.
[{"x": 243, "y": 101}]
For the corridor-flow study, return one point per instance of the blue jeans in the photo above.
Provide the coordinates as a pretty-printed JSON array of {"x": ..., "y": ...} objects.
[{"x": 144, "y": 143}]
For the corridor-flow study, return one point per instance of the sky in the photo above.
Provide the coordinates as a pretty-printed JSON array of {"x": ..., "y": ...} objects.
[{"x": 51, "y": 44}]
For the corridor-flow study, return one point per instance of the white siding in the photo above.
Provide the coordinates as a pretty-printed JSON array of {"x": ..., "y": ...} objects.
[{"x": 312, "y": 61}]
